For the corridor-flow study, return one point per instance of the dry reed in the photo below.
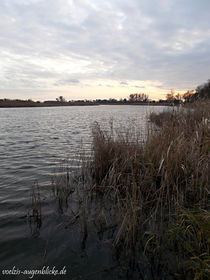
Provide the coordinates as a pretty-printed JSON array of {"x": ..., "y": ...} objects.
[
  {"x": 152, "y": 182},
  {"x": 138, "y": 190}
]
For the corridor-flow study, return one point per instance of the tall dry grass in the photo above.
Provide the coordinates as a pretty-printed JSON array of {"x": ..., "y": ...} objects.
[
  {"x": 172, "y": 166},
  {"x": 151, "y": 183},
  {"x": 35, "y": 214},
  {"x": 151, "y": 196}
]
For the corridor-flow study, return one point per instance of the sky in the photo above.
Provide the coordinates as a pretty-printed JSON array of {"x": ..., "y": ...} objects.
[{"x": 95, "y": 49}]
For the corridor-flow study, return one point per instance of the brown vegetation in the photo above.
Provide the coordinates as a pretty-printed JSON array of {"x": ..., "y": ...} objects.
[
  {"x": 150, "y": 184},
  {"x": 151, "y": 195}
]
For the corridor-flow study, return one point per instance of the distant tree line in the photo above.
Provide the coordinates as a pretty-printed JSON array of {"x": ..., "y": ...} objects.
[{"x": 201, "y": 92}]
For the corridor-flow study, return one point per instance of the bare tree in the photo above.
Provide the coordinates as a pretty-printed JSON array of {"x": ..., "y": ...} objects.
[
  {"x": 187, "y": 96},
  {"x": 61, "y": 99},
  {"x": 170, "y": 96},
  {"x": 138, "y": 97}
]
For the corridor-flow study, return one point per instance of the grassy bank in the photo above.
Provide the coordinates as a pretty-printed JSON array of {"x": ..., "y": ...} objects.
[
  {"x": 149, "y": 198},
  {"x": 160, "y": 191}
]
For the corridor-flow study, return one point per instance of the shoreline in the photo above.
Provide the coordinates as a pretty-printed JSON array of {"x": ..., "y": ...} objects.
[{"x": 39, "y": 105}]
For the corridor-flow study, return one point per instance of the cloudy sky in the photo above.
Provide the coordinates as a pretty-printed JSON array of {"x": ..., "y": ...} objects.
[{"x": 87, "y": 49}]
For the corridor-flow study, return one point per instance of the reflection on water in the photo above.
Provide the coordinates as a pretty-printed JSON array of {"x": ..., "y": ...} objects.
[{"x": 33, "y": 143}]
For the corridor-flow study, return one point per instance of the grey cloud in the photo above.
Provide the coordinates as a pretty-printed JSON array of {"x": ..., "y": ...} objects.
[
  {"x": 124, "y": 83},
  {"x": 139, "y": 86},
  {"x": 67, "y": 82},
  {"x": 161, "y": 40}
]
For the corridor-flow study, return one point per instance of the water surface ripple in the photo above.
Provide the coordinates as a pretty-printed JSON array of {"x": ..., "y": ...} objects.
[{"x": 33, "y": 143}]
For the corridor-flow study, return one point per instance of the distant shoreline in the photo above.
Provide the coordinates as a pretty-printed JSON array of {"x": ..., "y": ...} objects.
[
  {"x": 43, "y": 105},
  {"x": 32, "y": 104}
]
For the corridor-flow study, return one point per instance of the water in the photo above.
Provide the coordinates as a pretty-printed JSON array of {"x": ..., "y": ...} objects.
[{"x": 34, "y": 142}]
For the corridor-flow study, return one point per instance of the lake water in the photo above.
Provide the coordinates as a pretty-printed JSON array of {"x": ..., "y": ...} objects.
[{"x": 34, "y": 142}]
